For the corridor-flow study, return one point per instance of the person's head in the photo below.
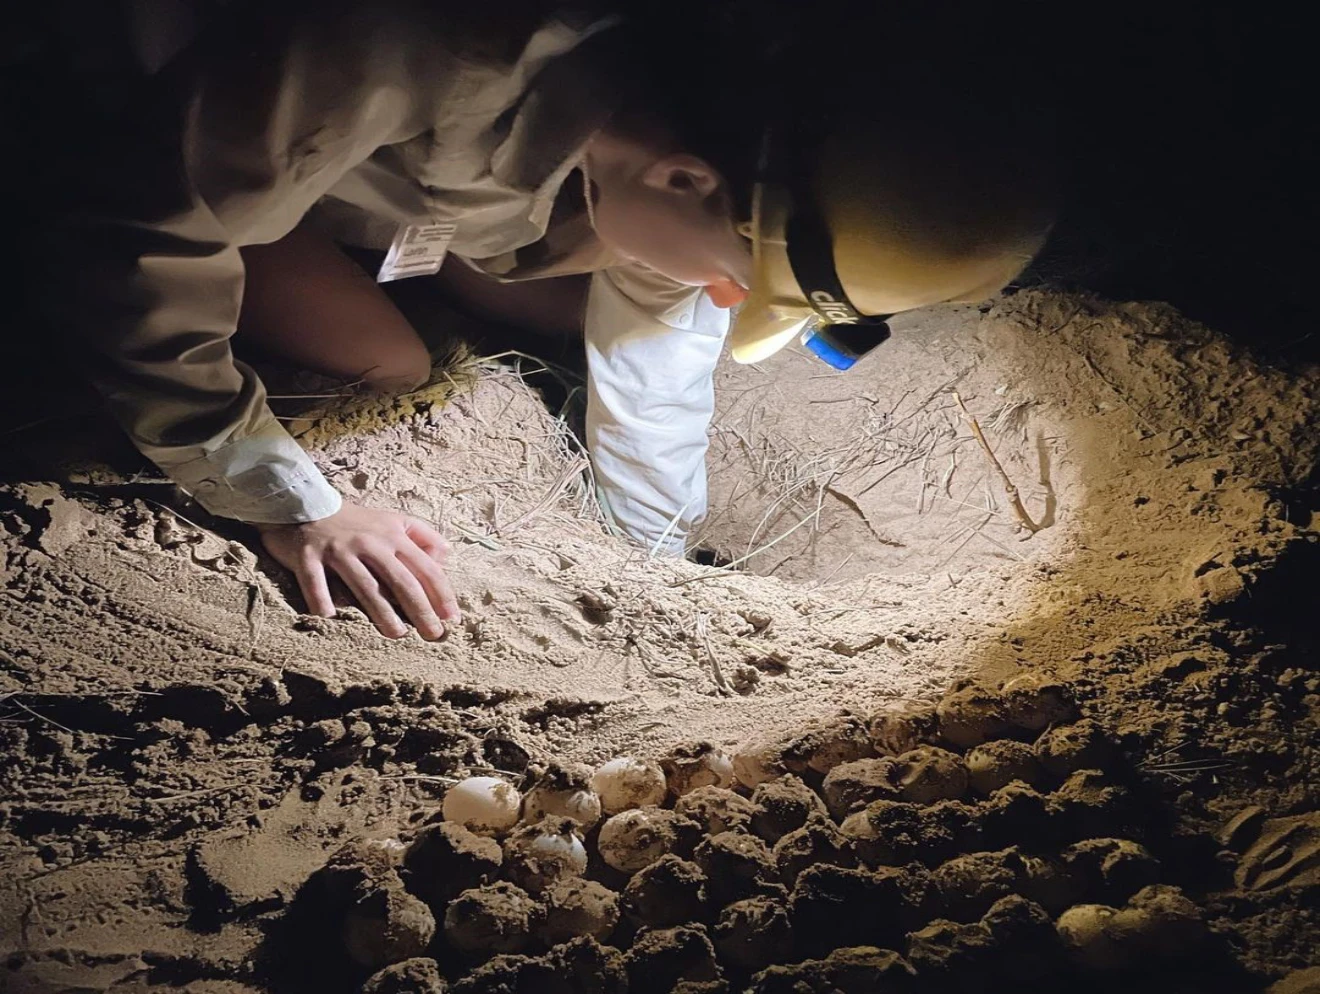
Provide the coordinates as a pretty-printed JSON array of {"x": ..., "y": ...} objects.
[
  {"x": 889, "y": 186},
  {"x": 667, "y": 208},
  {"x": 937, "y": 196}
]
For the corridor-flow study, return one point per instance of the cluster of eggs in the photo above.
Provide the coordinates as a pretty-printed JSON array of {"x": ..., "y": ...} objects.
[
  {"x": 541, "y": 837},
  {"x": 626, "y": 791},
  {"x": 543, "y": 832},
  {"x": 839, "y": 793}
]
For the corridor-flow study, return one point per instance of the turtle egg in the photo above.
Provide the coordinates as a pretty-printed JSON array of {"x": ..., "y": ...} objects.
[
  {"x": 562, "y": 847},
  {"x": 627, "y": 782},
  {"x": 632, "y": 840},
  {"x": 538, "y": 855},
  {"x": 758, "y": 762},
  {"x": 563, "y": 793},
  {"x": 703, "y": 765},
  {"x": 485, "y": 805}
]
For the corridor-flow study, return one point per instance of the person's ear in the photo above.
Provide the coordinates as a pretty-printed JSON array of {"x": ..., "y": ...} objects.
[{"x": 683, "y": 174}]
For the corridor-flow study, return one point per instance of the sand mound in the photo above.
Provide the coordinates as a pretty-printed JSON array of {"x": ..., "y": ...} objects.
[{"x": 184, "y": 750}]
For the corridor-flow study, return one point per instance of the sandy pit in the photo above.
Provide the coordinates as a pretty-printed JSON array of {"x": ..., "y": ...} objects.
[{"x": 206, "y": 790}]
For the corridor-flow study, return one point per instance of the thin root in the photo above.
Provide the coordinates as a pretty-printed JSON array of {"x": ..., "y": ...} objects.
[{"x": 1018, "y": 509}]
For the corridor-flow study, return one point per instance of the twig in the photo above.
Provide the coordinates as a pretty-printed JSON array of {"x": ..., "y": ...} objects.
[
  {"x": 13, "y": 699},
  {"x": 422, "y": 778},
  {"x": 856, "y": 508},
  {"x": 703, "y": 630},
  {"x": 947, "y": 483},
  {"x": 1012, "y": 490},
  {"x": 566, "y": 477},
  {"x": 832, "y": 573},
  {"x": 727, "y": 567},
  {"x": 472, "y": 536},
  {"x": 33, "y": 424}
]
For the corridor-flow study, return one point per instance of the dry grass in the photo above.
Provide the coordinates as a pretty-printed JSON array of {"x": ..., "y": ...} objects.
[
  {"x": 797, "y": 482},
  {"x": 920, "y": 436},
  {"x": 554, "y": 453}
]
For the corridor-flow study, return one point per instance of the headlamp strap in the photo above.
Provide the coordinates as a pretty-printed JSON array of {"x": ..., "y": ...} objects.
[{"x": 811, "y": 255}]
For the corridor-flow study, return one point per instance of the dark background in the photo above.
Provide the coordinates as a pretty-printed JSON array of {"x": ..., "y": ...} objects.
[{"x": 1186, "y": 133}]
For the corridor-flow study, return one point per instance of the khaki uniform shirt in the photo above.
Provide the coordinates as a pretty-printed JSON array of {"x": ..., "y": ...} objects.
[{"x": 383, "y": 115}]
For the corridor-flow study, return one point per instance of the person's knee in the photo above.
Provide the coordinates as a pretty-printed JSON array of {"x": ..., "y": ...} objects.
[{"x": 400, "y": 374}]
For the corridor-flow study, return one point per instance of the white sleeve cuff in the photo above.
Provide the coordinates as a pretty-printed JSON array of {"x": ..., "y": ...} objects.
[{"x": 263, "y": 478}]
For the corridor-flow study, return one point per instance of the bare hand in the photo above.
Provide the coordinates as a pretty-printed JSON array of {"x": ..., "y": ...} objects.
[{"x": 375, "y": 553}]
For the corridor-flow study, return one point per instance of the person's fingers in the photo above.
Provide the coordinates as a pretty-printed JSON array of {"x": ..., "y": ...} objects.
[
  {"x": 408, "y": 592},
  {"x": 315, "y": 588},
  {"x": 431, "y": 541},
  {"x": 366, "y": 590},
  {"x": 439, "y": 590}
]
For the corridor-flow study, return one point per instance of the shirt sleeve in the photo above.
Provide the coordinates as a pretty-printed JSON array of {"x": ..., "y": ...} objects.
[
  {"x": 652, "y": 346},
  {"x": 228, "y": 146}
]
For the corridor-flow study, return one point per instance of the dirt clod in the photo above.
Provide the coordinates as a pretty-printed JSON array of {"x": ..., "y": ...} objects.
[
  {"x": 970, "y": 884},
  {"x": 413, "y": 976},
  {"x": 754, "y": 933},
  {"x": 885, "y": 832},
  {"x": 1112, "y": 870},
  {"x": 996, "y": 764},
  {"x": 669, "y": 892},
  {"x": 819, "y": 841},
  {"x": 951, "y": 953},
  {"x": 851, "y": 786},
  {"x": 1090, "y": 802},
  {"x": 495, "y": 918},
  {"x": 1298, "y": 982},
  {"x": 901, "y": 729},
  {"x": 386, "y": 926},
  {"x": 1035, "y": 701},
  {"x": 972, "y": 715},
  {"x": 844, "y": 740},
  {"x": 784, "y": 806},
  {"x": 718, "y": 809},
  {"x": 833, "y": 906},
  {"x": 1067, "y": 748},
  {"x": 661, "y": 959},
  {"x": 446, "y": 859},
  {"x": 860, "y": 970},
  {"x": 928, "y": 774},
  {"x": 736, "y": 865},
  {"x": 575, "y": 908},
  {"x": 581, "y": 965}
]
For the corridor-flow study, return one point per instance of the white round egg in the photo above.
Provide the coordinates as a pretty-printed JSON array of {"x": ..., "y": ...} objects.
[
  {"x": 485, "y": 805},
  {"x": 583, "y": 806},
  {"x": 627, "y": 782},
  {"x": 688, "y": 768},
  {"x": 564, "y": 848},
  {"x": 632, "y": 840}
]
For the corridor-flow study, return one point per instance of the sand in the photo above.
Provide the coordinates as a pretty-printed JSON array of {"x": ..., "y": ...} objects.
[{"x": 183, "y": 749}]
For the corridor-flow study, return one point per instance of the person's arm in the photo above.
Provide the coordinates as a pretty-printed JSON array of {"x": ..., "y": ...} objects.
[
  {"x": 652, "y": 347},
  {"x": 242, "y": 135}
]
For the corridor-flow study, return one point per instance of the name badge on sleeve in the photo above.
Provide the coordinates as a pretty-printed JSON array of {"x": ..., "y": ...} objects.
[{"x": 418, "y": 250}]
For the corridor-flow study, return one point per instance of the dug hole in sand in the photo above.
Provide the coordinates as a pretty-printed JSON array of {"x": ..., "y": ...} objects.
[{"x": 185, "y": 752}]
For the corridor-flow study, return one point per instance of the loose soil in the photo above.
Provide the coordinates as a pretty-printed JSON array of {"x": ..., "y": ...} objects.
[{"x": 205, "y": 789}]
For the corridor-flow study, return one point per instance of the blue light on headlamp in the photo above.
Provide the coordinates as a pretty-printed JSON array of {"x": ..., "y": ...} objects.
[{"x": 841, "y": 345}]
